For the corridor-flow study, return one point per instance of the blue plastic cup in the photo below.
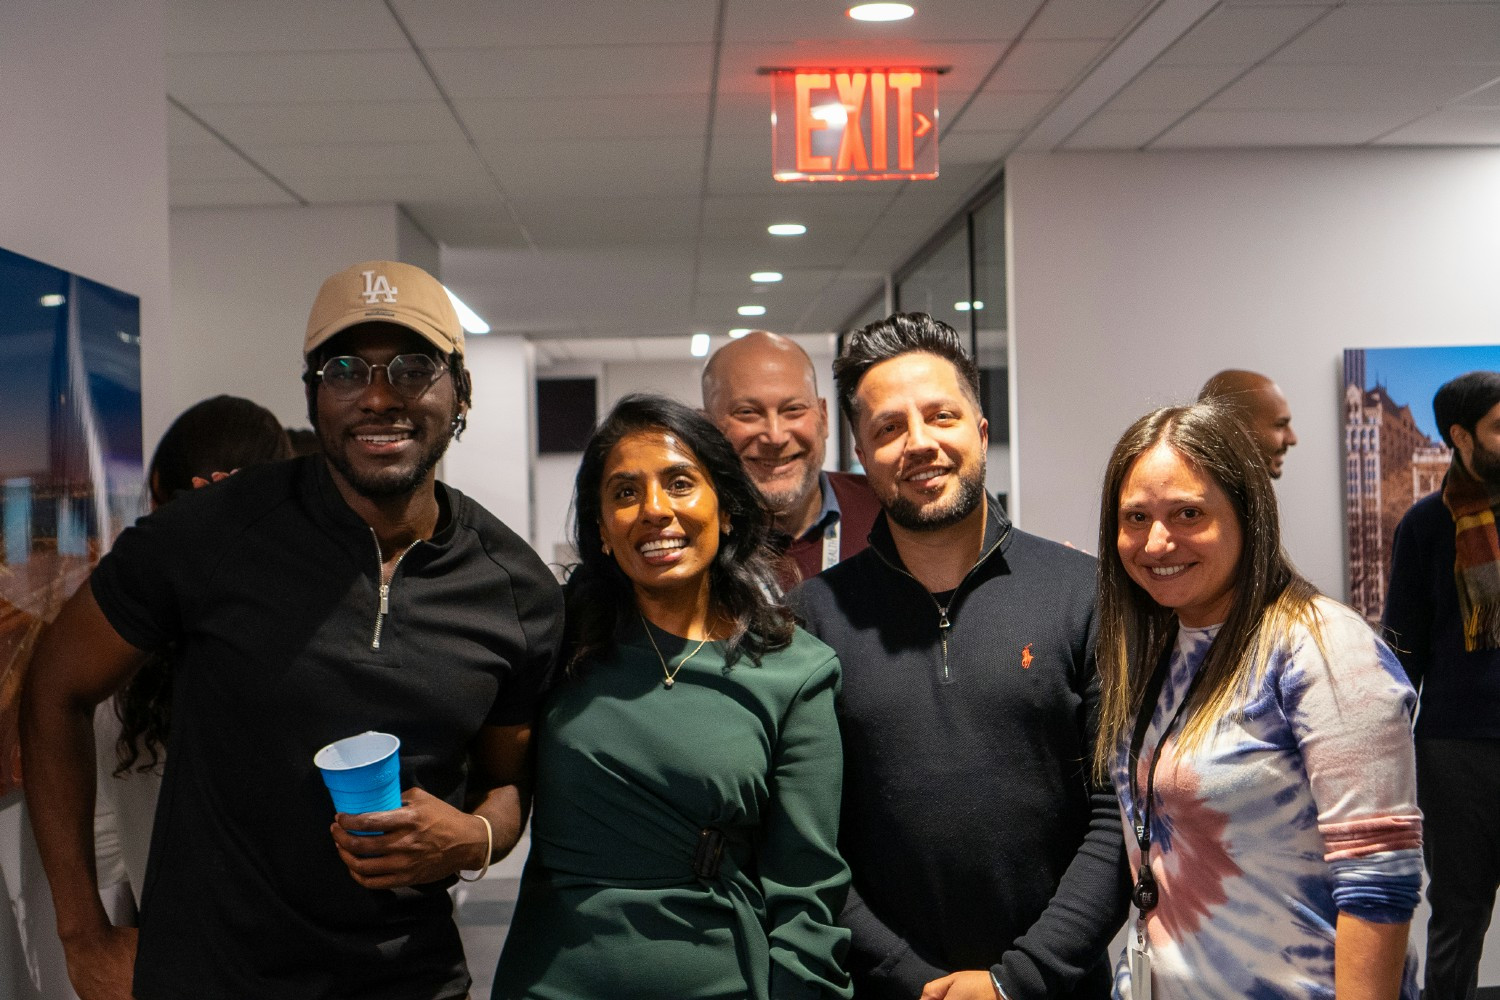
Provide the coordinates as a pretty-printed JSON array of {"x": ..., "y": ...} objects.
[{"x": 363, "y": 773}]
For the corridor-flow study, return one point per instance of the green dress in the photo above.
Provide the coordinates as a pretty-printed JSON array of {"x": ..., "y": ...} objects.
[{"x": 629, "y": 771}]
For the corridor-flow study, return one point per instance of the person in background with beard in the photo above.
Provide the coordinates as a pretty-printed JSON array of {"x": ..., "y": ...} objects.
[
  {"x": 304, "y": 602},
  {"x": 762, "y": 394},
  {"x": 1442, "y": 611},
  {"x": 986, "y": 860}
]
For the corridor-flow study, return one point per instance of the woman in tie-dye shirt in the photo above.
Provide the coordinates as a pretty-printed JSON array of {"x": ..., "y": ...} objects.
[{"x": 1257, "y": 733}]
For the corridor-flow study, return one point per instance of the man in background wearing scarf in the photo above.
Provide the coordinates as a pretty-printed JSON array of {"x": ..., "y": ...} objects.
[{"x": 1443, "y": 616}]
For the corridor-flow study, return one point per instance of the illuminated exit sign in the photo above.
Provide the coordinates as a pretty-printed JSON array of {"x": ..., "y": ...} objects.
[{"x": 854, "y": 124}]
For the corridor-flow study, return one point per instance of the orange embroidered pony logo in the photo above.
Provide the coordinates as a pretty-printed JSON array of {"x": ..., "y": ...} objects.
[{"x": 1026, "y": 657}]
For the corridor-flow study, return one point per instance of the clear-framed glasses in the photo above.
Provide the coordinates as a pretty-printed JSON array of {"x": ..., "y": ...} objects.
[{"x": 410, "y": 375}]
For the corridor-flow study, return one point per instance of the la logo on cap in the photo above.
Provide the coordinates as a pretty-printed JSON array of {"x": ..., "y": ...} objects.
[{"x": 376, "y": 286}]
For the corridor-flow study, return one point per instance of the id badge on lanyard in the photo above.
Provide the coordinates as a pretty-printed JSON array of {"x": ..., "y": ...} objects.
[
  {"x": 1140, "y": 959},
  {"x": 831, "y": 545}
]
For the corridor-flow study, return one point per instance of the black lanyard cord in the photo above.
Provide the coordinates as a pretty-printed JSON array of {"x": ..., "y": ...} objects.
[{"x": 1145, "y": 894}]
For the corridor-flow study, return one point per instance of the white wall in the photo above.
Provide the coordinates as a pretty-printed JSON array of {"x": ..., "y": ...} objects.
[
  {"x": 1135, "y": 276},
  {"x": 494, "y": 461},
  {"x": 83, "y": 154},
  {"x": 243, "y": 280}
]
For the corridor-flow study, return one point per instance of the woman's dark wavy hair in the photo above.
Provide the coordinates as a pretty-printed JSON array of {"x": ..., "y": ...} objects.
[
  {"x": 1270, "y": 596},
  {"x": 742, "y": 580},
  {"x": 220, "y": 434}
]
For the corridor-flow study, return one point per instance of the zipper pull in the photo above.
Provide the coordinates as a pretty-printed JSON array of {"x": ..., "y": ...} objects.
[
  {"x": 385, "y": 598},
  {"x": 943, "y": 622}
]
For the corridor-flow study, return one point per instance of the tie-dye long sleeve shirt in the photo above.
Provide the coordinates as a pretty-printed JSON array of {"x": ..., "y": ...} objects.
[{"x": 1299, "y": 805}]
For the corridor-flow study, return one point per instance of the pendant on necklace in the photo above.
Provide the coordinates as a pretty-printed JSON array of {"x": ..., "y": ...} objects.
[{"x": 666, "y": 682}]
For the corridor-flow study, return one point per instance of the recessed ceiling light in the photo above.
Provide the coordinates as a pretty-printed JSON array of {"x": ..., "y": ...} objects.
[
  {"x": 978, "y": 304},
  {"x": 962, "y": 307},
  {"x": 752, "y": 310},
  {"x": 52, "y": 301},
  {"x": 699, "y": 345},
  {"x": 738, "y": 332},
  {"x": 467, "y": 318},
  {"x": 786, "y": 229},
  {"x": 765, "y": 277},
  {"x": 881, "y": 11}
]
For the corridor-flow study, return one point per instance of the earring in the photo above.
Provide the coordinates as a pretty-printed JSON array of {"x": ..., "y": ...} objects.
[
  {"x": 604, "y": 547},
  {"x": 729, "y": 529}
]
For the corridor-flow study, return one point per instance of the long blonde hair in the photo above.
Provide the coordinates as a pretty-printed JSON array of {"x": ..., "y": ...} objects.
[{"x": 1270, "y": 596}]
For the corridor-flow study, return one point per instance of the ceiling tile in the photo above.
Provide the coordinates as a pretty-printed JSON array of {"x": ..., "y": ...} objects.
[
  {"x": 596, "y": 117},
  {"x": 182, "y": 130},
  {"x": 1230, "y": 129},
  {"x": 967, "y": 148},
  {"x": 1120, "y": 129},
  {"x": 1487, "y": 96},
  {"x": 332, "y": 122},
  {"x": 1045, "y": 65},
  {"x": 1169, "y": 88},
  {"x": 604, "y": 221},
  {"x": 1406, "y": 34},
  {"x": 337, "y": 160},
  {"x": 446, "y": 24},
  {"x": 1085, "y": 18},
  {"x": 1239, "y": 36},
  {"x": 401, "y": 188},
  {"x": 572, "y": 71},
  {"x": 224, "y": 26},
  {"x": 204, "y": 162},
  {"x": 790, "y": 23},
  {"x": 274, "y": 77},
  {"x": 629, "y": 168},
  {"x": 476, "y": 224},
  {"x": 1451, "y": 126},
  {"x": 1402, "y": 89},
  {"x": 249, "y": 191},
  {"x": 995, "y": 111}
]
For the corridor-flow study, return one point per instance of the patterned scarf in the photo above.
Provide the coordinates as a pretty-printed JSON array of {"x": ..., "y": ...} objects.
[{"x": 1476, "y": 569}]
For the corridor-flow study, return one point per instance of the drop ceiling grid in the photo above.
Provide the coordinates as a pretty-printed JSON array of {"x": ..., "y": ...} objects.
[{"x": 593, "y": 121}]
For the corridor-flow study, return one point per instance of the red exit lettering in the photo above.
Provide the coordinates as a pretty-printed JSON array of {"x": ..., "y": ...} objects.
[{"x": 842, "y": 123}]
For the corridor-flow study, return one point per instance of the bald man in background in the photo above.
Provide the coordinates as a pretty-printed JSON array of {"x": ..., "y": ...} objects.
[
  {"x": 1260, "y": 406},
  {"x": 762, "y": 393}
]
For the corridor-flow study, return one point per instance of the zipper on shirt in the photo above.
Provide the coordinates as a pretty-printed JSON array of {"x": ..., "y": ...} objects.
[
  {"x": 944, "y": 624},
  {"x": 384, "y": 607}
]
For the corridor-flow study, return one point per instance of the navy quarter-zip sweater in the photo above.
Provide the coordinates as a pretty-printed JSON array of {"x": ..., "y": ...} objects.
[{"x": 974, "y": 833}]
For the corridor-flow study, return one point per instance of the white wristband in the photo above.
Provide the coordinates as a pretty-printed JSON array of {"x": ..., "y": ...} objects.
[{"x": 489, "y": 848}]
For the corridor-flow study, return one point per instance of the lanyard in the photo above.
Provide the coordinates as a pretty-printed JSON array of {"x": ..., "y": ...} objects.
[
  {"x": 831, "y": 544},
  {"x": 1145, "y": 894}
]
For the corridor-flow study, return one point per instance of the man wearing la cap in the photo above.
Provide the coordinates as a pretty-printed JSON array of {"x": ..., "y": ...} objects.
[{"x": 307, "y": 601}]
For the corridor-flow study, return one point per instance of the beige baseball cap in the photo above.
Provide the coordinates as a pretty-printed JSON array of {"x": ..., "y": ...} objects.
[{"x": 385, "y": 291}]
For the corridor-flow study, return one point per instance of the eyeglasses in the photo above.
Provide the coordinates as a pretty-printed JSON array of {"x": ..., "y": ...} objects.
[{"x": 409, "y": 375}]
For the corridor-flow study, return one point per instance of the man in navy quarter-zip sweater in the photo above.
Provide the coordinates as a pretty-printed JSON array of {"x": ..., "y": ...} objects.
[
  {"x": 986, "y": 863},
  {"x": 303, "y": 602}
]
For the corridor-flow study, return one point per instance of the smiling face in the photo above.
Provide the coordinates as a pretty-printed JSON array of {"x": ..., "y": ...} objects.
[
  {"x": 761, "y": 395},
  {"x": 1179, "y": 537},
  {"x": 922, "y": 441},
  {"x": 1269, "y": 419},
  {"x": 660, "y": 516},
  {"x": 380, "y": 444}
]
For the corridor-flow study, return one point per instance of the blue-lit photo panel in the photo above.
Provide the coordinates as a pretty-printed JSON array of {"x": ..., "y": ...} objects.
[{"x": 70, "y": 451}]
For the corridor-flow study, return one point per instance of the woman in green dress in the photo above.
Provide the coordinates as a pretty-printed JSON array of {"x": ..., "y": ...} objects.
[{"x": 684, "y": 840}]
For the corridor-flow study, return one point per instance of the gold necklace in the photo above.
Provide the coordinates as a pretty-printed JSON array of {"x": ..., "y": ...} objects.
[{"x": 669, "y": 677}]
